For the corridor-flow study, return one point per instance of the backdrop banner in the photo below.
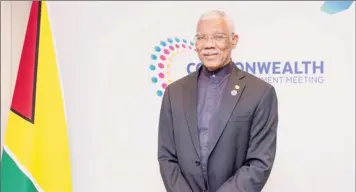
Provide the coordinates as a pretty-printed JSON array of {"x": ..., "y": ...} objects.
[{"x": 117, "y": 58}]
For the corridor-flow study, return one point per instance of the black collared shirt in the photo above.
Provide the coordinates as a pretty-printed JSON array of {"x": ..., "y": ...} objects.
[{"x": 211, "y": 85}]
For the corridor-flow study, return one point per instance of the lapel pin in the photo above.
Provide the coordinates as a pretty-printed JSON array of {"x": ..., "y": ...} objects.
[
  {"x": 233, "y": 92},
  {"x": 237, "y": 87}
]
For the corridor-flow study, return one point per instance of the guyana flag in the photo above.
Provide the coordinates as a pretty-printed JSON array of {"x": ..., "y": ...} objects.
[{"x": 35, "y": 156}]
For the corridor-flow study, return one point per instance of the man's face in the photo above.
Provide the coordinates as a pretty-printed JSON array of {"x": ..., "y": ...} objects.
[{"x": 214, "y": 42}]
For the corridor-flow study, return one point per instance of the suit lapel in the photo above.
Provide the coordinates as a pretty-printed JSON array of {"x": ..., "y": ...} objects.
[
  {"x": 230, "y": 97},
  {"x": 190, "y": 108}
]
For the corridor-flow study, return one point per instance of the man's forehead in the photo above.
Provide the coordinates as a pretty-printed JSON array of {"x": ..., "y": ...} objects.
[
  {"x": 218, "y": 25},
  {"x": 213, "y": 21},
  {"x": 212, "y": 31}
]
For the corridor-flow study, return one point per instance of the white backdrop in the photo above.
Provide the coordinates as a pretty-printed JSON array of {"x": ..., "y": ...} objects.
[{"x": 104, "y": 52}]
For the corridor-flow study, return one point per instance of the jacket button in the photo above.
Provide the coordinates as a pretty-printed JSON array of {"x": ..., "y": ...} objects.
[{"x": 197, "y": 163}]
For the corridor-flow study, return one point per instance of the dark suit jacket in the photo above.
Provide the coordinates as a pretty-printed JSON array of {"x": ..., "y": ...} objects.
[{"x": 244, "y": 139}]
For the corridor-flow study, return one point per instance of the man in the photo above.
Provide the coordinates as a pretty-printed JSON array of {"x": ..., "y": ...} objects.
[{"x": 218, "y": 125}]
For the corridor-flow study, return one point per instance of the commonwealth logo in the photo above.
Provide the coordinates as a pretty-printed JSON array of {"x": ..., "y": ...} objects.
[{"x": 161, "y": 61}]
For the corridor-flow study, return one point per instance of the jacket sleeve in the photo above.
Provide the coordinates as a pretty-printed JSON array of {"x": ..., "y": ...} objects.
[
  {"x": 262, "y": 148},
  {"x": 167, "y": 156}
]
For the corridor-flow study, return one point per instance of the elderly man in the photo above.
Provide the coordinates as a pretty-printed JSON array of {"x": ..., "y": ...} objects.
[{"x": 218, "y": 125}]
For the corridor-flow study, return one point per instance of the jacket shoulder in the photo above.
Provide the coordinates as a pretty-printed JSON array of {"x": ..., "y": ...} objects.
[{"x": 179, "y": 83}]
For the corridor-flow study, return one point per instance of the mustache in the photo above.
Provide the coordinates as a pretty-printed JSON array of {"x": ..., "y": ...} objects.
[{"x": 210, "y": 51}]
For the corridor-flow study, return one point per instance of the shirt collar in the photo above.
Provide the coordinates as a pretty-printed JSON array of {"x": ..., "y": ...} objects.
[{"x": 221, "y": 72}]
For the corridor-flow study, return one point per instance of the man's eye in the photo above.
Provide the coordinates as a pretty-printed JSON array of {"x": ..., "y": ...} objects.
[{"x": 218, "y": 37}]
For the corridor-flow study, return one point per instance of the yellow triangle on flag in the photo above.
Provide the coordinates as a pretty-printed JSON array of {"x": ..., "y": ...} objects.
[{"x": 36, "y": 155}]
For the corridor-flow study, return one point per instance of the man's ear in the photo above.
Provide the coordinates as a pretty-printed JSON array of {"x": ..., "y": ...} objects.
[{"x": 235, "y": 40}]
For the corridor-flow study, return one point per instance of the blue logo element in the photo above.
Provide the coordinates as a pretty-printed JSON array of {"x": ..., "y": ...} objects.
[{"x": 332, "y": 7}]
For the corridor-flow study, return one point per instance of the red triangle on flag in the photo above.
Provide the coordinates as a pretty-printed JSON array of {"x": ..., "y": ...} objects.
[{"x": 23, "y": 101}]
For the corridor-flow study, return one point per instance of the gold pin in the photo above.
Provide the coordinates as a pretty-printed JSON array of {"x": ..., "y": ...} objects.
[{"x": 237, "y": 87}]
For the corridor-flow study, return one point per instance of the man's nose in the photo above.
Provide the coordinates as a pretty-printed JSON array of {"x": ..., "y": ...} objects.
[{"x": 209, "y": 43}]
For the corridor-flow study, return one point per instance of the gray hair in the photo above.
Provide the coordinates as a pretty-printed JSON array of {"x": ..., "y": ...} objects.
[{"x": 218, "y": 14}]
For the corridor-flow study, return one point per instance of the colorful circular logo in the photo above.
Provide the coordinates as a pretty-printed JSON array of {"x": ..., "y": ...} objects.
[{"x": 161, "y": 61}]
